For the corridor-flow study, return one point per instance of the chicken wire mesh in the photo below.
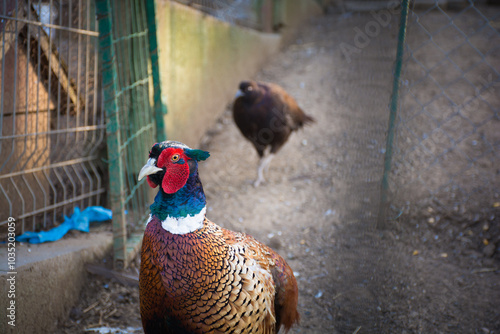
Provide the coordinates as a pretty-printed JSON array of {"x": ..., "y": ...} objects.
[
  {"x": 242, "y": 12},
  {"x": 447, "y": 138},
  {"x": 52, "y": 128},
  {"x": 265, "y": 15},
  {"x": 132, "y": 104}
]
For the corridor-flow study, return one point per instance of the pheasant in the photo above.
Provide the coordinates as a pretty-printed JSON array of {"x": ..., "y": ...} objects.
[
  {"x": 196, "y": 277},
  {"x": 266, "y": 115}
]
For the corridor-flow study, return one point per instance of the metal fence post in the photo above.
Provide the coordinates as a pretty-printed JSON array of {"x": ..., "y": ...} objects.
[
  {"x": 159, "y": 108},
  {"x": 115, "y": 163},
  {"x": 384, "y": 203}
]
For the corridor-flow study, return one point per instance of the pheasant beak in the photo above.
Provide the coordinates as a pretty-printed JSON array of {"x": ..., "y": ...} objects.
[
  {"x": 148, "y": 169},
  {"x": 238, "y": 94}
]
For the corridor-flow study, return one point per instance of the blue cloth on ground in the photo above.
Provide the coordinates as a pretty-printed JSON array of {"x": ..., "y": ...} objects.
[{"x": 79, "y": 220}]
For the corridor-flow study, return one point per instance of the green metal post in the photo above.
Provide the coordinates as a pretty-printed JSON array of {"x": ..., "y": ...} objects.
[
  {"x": 384, "y": 193},
  {"x": 115, "y": 164},
  {"x": 159, "y": 107}
]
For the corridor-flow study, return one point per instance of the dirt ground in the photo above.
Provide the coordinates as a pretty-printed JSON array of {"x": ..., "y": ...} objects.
[{"x": 319, "y": 208}]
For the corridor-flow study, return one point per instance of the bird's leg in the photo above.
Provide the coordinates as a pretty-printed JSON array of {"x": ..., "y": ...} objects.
[
  {"x": 260, "y": 174},
  {"x": 263, "y": 166},
  {"x": 267, "y": 162}
]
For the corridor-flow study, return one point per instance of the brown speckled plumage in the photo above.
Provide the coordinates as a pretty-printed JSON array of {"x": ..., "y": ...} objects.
[
  {"x": 197, "y": 277},
  {"x": 215, "y": 281}
]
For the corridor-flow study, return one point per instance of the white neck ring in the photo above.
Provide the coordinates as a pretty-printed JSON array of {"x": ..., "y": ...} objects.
[{"x": 183, "y": 225}]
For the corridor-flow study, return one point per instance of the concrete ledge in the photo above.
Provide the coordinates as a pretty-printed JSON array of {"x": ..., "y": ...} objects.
[{"x": 48, "y": 281}]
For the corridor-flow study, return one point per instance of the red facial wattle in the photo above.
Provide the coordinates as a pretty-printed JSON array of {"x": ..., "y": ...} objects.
[
  {"x": 175, "y": 178},
  {"x": 151, "y": 183},
  {"x": 177, "y": 173}
]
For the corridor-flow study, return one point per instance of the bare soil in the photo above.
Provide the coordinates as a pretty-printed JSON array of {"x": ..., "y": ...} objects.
[{"x": 319, "y": 207}]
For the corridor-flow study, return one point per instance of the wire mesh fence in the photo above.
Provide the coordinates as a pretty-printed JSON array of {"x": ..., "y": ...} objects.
[
  {"x": 55, "y": 126},
  {"x": 447, "y": 139},
  {"x": 131, "y": 95},
  {"x": 242, "y": 12},
  {"x": 52, "y": 128},
  {"x": 264, "y": 15}
]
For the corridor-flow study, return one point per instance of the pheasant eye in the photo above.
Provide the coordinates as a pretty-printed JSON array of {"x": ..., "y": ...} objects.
[
  {"x": 250, "y": 88},
  {"x": 175, "y": 158}
]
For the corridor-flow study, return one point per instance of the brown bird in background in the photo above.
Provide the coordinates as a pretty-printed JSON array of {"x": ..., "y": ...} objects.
[{"x": 266, "y": 115}]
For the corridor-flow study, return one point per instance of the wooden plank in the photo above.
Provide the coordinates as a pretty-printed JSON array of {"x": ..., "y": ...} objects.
[
  {"x": 59, "y": 68},
  {"x": 10, "y": 25}
]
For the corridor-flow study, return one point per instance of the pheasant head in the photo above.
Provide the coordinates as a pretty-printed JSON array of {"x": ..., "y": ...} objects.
[
  {"x": 249, "y": 91},
  {"x": 174, "y": 167}
]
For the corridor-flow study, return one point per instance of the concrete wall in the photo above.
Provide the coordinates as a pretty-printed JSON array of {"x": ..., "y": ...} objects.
[{"x": 202, "y": 60}]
